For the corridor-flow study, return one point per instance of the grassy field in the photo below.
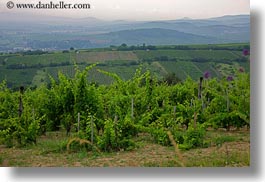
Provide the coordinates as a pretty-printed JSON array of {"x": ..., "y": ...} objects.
[
  {"x": 45, "y": 59},
  {"x": 227, "y": 149},
  {"x": 92, "y": 57}
]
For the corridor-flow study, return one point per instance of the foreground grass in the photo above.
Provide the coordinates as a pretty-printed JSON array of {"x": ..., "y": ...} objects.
[{"x": 226, "y": 149}]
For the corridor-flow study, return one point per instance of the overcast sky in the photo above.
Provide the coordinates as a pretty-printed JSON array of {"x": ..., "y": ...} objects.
[{"x": 143, "y": 9}]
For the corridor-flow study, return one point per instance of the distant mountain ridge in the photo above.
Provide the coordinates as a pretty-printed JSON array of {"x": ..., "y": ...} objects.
[
  {"x": 153, "y": 36},
  {"x": 23, "y": 32}
]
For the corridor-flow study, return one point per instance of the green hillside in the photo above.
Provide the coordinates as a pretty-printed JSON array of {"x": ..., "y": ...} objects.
[{"x": 32, "y": 70}]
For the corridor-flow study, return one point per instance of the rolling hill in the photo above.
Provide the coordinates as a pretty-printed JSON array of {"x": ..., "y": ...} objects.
[
  {"x": 156, "y": 36},
  {"x": 57, "y": 33},
  {"x": 221, "y": 60}
]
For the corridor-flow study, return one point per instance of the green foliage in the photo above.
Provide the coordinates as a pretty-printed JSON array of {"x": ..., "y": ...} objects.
[
  {"x": 32, "y": 68},
  {"x": 229, "y": 105},
  {"x": 9, "y": 104},
  {"x": 160, "y": 136},
  {"x": 179, "y": 136},
  {"x": 109, "y": 140},
  {"x": 20, "y": 131},
  {"x": 193, "y": 138},
  {"x": 117, "y": 135},
  {"x": 125, "y": 108}
]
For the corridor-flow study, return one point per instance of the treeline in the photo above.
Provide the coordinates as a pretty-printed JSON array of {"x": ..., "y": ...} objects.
[
  {"x": 208, "y": 47},
  {"x": 118, "y": 63},
  {"x": 38, "y": 65},
  {"x": 125, "y": 47},
  {"x": 201, "y": 60}
]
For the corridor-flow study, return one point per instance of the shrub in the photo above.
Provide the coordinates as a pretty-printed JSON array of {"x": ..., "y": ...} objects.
[
  {"x": 193, "y": 138},
  {"x": 160, "y": 136}
]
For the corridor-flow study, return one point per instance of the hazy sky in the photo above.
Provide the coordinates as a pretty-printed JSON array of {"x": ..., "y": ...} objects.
[{"x": 143, "y": 9}]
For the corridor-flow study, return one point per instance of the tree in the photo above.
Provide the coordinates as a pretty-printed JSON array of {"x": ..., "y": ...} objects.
[{"x": 123, "y": 45}]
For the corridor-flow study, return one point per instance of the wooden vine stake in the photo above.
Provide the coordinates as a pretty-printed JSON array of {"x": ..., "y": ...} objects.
[
  {"x": 20, "y": 107},
  {"x": 174, "y": 112},
  {"x": 227, "y": 107},
  {"x": 200, "y": 88},
  {"x": 227, "y": 100},
  {"x": 115, "y": 128},
  {"x": 200, "y": 98},
  {"x": 33, "y": 113},
  {"x": 195, "y": 120},
  {"x": 194, "y": 115},
  {"x": 78, "y": 122},
  {"x": 132, "y": 109},
  {"x": 92, "y": 130}
]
